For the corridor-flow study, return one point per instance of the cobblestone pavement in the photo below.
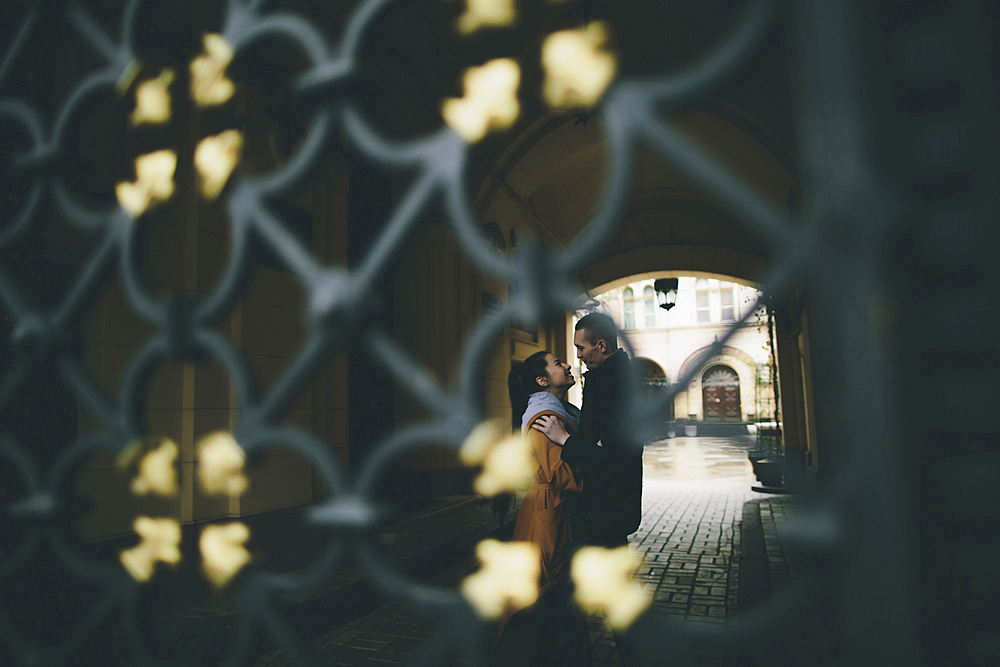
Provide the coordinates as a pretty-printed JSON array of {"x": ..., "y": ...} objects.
[{"x": 693, "y": 498}]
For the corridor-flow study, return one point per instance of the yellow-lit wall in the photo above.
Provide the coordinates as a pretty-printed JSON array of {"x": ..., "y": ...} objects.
[{"x": 189, "y": 250}]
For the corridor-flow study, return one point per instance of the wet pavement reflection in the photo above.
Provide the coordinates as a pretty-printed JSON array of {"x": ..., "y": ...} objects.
[{"x": 701, "y": 463}]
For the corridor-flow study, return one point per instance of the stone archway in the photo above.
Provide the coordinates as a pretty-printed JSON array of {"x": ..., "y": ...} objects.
[
  {"x": 720, "y": 394},
  {"x": 648, "y": 370}
]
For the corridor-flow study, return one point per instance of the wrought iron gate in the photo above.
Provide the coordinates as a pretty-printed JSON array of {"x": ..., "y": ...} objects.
[{"x": 899, "y": 215}]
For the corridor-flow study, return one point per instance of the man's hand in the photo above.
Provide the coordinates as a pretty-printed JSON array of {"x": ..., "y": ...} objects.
[{"x": 552, "y": 427}]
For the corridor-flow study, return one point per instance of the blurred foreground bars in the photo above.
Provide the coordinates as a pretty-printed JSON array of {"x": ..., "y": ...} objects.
[{"x": 892, "y": 244}]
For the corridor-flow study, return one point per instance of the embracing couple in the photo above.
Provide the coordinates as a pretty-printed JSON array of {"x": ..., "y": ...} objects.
[{"x": 586, "y": 490}]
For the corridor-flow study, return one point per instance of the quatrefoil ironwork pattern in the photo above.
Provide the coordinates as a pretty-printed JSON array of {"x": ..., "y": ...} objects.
[{"x": 632, "y": 112}]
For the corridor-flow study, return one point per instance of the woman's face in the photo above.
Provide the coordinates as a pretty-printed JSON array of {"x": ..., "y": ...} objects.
[{"x": 560, "y": 374}]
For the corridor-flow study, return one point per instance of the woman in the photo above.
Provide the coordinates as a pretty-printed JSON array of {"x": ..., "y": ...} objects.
[{"x": 538, "y": 387}]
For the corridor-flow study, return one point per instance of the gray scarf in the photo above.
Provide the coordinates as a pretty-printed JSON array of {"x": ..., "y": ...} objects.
[{"x": 541, "y": 401}]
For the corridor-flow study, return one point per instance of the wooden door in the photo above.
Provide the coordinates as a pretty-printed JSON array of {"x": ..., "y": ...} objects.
[{"x": 720, "y": 394}]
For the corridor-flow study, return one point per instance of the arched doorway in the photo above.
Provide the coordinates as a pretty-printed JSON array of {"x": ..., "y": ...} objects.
[
  {"x": 720, "y": 394},
  {"x": 649, "y": 371}
]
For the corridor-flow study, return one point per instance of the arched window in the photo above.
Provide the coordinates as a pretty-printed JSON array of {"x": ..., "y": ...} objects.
[
  {"x": 701, "y": 300},
  {"x": 649, "y": 297},
  {"x": 629, "y": 298}
]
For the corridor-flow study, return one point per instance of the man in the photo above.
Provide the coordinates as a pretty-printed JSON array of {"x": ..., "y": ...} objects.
[{"x": 609, "y": 508}]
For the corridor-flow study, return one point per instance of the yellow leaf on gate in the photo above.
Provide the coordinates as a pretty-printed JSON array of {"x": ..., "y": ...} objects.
[
  {"x": 214, "y": 159},
  {"x": 153, "y": 185},
  {"x": 152, "y": 100},
  {"x": 604, "y": 583},
  {"x": 156, "y": 471},
  {"x": 490, "y": 101},
  {"x": 209, "y": 84},
  {"x": 486, "y": 13},
  {"x": 507, "y": 461},
  {"x": 220, "y": 465},
  {"x": 222, "y": 552},
  {"x": 508, "y": 579},
  {"x": 578, "y": 69},
  {"x": 160, "y": 542},
  {"x": 480, "y": 440},
  {"x": 508, "y": 467}
]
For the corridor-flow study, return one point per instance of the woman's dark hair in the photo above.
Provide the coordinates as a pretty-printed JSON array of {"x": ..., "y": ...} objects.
[{"x": 521, "y": 384}]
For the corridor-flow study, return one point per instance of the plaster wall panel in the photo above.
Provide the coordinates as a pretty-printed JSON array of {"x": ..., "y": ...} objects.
[
  {"x": 213, "y": 257},
  {"x": 166, "y": 390},
  {"x": 635, "y": 259},
  {"x": 92, "y": 361},
  {"x": 337, "y": 388},
  {"x": 92, "y": 326},
  {"x": 534, "y": 162},
  {"x": 561, "y": 144},
  {"x": 681, "y": 405},
  {"x": 727, "y": 261},
  {"x": 166, "y": 256},
  {"x": 338, "y": 218},
  {"x": 213, "y": 217},
  {"x": 754, "y": 267},
  {"x": 715, "y": 136},
  {"x": 100, "y": 460},
  {"x": 269, "y": 370},
  {"x": 653, "y": 172},
  {"x": 87, "y": 423},
  {"x": 657, "y": 256},
  {"x": 521, "y": 349},
  {"x": 212, "y": 386},
  {"x": 276, "y": 288},
  {"x": 189, "y": 487},
  {"x": 320, "y": 388},
  {"x": 448, "y": 285},
  {"x": 167, "y": 423},
  {"x": 204, "y": 507},
  {"x": 298, "y": 418},
  {"x": 762, "y": 166},
  {"x": 121, "y": 324},
  {"x": 275, "y": 482},
  {"x": 338, "y": 438},
  {"x": 114, "y": 506},
  {"x": 498, "y": 360},
  {"x": 521, "y": 181},
  {"x": 497, "y": 398},
  {"x": 617, "y": 266},
  {"x": 682, "y": 257},
  {"x": 703, "y": 256},
  {"x": 512, "y": 211},
  {"x": 114, "y": 363},
  {"x": 270, "y": 330},
  {"x": 695, "y": 400},
  {"x": 578, "y": 207},
  {"x": 595, "y": 274},
  {"x": 207, "y": 421}
]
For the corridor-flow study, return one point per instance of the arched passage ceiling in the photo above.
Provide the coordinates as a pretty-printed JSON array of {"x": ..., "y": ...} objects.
[
  {"x": 553, "y": 181},
  {"x": 545, "y": 175}
]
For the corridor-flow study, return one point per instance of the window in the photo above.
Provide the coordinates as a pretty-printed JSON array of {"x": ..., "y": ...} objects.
[
  {"x": 701, "y": 300},
  {"x": 629, "y": 308},
  {"x": 728, "y": 309},
  {"x": 650, "y": 298}
]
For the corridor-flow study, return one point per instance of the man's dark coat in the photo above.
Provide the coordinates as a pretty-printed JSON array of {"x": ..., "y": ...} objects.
[{"x": 610, "y": 506}]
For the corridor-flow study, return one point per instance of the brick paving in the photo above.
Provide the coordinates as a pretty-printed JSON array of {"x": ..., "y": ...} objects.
[
  {"x": 690, "y": 542},
  {"x": 690, "y": 537}
]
